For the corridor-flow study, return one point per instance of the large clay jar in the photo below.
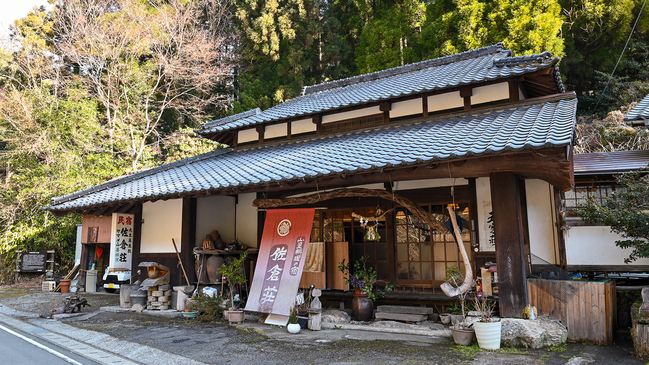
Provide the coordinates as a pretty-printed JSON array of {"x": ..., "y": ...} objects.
[
  {"x": 362, "y": 307},
  {"x": 213, "y": 263}
]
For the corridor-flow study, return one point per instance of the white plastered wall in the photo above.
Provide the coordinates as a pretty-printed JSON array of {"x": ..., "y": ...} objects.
[
  {"x": 540, "y": 220},
  {"x": 330, "y": 118},
  {"x": 483, "y": 201},
  {"x": 275, "y": 130},
  {"x": 247, "y": 135},
  {"x": 445, "y": 101},
  {"x": 485, "y": 94},
  {"x": 247, "y": 220},
  {"x": 303, "y": 126},
  {"x": 408, "y": 107},
  {"x": 215, "y": 212},
  {"x": 595, "y": 246},
  {"x": 162, "y": 222}
]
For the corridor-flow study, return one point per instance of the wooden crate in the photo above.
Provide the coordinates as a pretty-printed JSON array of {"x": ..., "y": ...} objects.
[{"x": 587, "y": 309}]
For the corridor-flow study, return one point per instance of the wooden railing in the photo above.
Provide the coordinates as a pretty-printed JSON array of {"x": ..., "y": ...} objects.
[{"x": 587, "y": 309}]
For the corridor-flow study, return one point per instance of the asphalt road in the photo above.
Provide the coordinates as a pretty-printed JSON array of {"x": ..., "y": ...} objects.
[{"x": 20, "y": 348}]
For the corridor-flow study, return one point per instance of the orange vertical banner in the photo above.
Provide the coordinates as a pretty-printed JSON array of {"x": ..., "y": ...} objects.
[{"x": 282, "y": 254}]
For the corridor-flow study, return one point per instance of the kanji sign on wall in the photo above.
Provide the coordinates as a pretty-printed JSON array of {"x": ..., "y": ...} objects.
[
  {"x": 282, "y": 255},
  {"x": 121, "y": 241}
]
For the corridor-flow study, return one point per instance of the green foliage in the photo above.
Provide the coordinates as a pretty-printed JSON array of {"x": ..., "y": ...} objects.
[
  {"x": 525, "y": 27},
  {"x": 292, "y": 318},
  {"x": 280, "y": 50},
  {"x": 627, "y": 212},
  {"x": 595, "y": 32},
  {"x": 116, "y": 95},
  {"x": 209, "y": 308},
  {"x": 363, "y": 278},
  {"x": 233, "y": 271}
]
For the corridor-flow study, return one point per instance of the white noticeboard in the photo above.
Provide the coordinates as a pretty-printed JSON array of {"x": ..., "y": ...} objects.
[{"x": 121, "y": 241}]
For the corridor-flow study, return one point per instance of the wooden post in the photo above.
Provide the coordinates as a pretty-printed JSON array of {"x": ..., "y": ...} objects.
[{"x": 510, "y": 243}]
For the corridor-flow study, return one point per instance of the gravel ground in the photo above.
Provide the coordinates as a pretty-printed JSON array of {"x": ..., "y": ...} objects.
[{"x": 220, "y": 343}]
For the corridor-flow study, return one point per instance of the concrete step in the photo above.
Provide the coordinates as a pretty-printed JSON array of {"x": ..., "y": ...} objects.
[
  {"x": 401, "y": 317},
  {"x": 403, "y": 309}
]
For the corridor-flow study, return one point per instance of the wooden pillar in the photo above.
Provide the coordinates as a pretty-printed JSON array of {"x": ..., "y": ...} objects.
[
  {"x": 510, "y": 242},
  {"x": 137, "y": 243},
  {"x": 187, "y": 241}
]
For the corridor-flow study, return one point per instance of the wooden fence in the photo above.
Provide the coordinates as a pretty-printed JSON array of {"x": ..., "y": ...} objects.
[{"x": 587, "y": 309}]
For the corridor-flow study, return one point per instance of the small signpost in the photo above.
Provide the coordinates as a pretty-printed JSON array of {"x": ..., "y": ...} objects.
[{"x": 35, "y": 262}]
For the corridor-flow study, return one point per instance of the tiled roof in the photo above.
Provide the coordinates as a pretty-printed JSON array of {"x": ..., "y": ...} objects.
[
  {"x": 514, "y": 128},
  {"x": 610, "y": 162},
  {"x": 641, "y": 111},
  {"x": 484, "y": 64}
]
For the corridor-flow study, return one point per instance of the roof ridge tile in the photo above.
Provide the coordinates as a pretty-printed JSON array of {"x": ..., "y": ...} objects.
[{"x": 440, "y": 61}]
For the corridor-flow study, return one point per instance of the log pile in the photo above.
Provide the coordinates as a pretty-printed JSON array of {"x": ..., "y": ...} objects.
[{"x": 159, "y": 297}]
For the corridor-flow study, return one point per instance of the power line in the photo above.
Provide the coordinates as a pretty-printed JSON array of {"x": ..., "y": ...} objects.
[{"x": 622, "y": 54}]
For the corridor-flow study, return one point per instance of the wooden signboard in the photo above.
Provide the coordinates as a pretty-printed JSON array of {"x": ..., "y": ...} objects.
[{"x": 33, "y": 261}]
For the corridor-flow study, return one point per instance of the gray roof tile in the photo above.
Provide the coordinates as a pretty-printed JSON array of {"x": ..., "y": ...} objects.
[
  {"x": 610, "y": 162},
  {"x": 640, "y": 111},
  {"x": 484, "y": 64},
  {"x": 528, "y": 126}
]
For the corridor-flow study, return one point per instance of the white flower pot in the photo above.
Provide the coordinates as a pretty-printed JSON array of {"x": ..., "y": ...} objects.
[
  {"x": 488, "y": 334},
  {"x": 293, "y": 327}
]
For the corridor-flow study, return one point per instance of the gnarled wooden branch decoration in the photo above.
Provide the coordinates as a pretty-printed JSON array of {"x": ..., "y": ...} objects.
[
  {"x": 354, "y": 193},
  {"x": 379, "y": 218},
  {"x": 446, "y": 287}
]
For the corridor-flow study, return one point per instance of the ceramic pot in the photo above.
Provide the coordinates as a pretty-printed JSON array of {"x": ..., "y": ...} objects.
[
  {"x": 362, "y": 307},
  {"x": 190, "y": 314},
  {"x": 445, "y": 318},
  {"x": 65, "y": 285},
  {"x": 463, "y": 336},
  {"x": 213, "y": 263},
  {"x": 235, "y": 316},
  {"x": 488, "y": 334},
  {"x": 293, "y": 327},
  {"x": 456, "y": 318}
]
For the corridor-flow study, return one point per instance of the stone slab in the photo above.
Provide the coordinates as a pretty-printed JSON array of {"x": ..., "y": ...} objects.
[
  {"x": 401, "y": 317},
  {"x": 404, "y": 309}
]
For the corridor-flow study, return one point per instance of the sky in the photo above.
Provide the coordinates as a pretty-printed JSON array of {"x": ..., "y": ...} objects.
[{"x": 15, "y": 9}]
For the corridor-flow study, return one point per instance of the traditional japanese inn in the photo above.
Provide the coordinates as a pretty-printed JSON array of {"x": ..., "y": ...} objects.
[{"x": 374, "y": 163}]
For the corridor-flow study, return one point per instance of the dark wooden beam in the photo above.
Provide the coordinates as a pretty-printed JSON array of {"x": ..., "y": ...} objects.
[
  {"x": 260, "y": 130},
  {"x": 125, "y": 208},
  {"x": 288, "y": 130},
  {"x": 424, "y": 104},
  {"x": 513, "y": 91},
  {"x": 466, "y": 92},
  {"x": 137, "y": 244},
  {"x": 510, "y": 250},
  {"x": 187, "y": 239},
  {"x": 100, "y": 211},
  {"x": 317, "y": 120},
  {"x": 560, "y": 221}
]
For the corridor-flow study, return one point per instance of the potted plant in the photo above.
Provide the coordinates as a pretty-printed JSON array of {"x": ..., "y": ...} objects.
[
  {"x": 362, "y": 281},
  {"x": 293, "y": 326},
  {"x": 487, "y": 329},
  {"x": 233, "y": 272}
]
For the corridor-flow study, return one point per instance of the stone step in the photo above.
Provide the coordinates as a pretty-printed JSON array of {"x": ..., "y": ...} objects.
[
  {"x": 401, "y": 317},
  {"x": 403, "y": 309}
]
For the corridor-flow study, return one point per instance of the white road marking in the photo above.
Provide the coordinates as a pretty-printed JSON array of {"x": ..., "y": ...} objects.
[{"x": 51, "y": 351}]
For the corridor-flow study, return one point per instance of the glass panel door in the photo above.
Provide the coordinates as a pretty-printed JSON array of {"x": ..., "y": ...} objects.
[{"x": 424, "y": 253}]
